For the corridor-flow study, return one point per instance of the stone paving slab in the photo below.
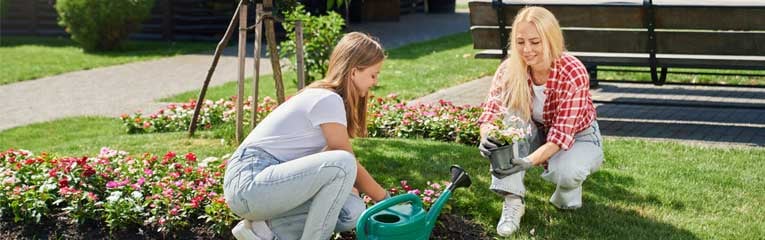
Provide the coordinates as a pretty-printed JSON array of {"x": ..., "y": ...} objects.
[
  {"x": 111, "y": 91},
  {"x": 716, "y": 115}
]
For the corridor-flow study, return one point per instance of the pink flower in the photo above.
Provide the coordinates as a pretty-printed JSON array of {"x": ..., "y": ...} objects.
[
  {"x": 429, "y": 192},
  {"x": 10, "y": 181},
  {"x": 148, "y": 172},
  {"x": 92, "y": 196}
]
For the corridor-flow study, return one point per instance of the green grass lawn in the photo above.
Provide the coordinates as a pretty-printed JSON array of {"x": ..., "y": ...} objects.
[
  {"x": 411, "y": 71},
  {"x": 673, "y": 191},
  {"x": 26, "y": 58},
  {"x": 613, "y": 73}
]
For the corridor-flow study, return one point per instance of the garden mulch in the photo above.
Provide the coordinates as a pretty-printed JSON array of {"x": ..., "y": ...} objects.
[{"x": 59, "y": 226}]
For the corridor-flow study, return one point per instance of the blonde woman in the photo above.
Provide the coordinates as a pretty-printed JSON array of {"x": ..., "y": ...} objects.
[
  {"x": 295, "y": 175},
  {"x": 543, "y": 84}
]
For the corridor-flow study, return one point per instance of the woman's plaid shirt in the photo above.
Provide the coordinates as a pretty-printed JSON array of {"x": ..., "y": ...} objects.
[{"x": 568, "y": 108}]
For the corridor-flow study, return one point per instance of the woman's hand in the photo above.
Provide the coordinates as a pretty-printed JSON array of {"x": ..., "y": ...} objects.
[
  {"x": 487, "y": 145},
  {"x": 543, "y": 153}
]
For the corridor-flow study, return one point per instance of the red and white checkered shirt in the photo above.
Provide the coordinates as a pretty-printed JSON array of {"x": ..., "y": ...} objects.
[{"x": 568, "y": 108}]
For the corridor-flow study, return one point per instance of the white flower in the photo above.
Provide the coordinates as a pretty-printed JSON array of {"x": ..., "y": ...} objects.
[
  {"x": 136, "y": 195},
  {"x": 114, "y": 196},
  {"x": 204, "y": 163}
]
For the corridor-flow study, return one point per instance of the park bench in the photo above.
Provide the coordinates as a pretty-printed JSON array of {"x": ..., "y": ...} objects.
[{"x": 659, "y": 34}]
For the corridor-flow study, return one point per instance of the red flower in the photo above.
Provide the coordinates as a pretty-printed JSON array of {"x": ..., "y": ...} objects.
[
  {"x": 89, "y": 171},
  {"x": 63, "y": 182},
  {"x": 169, "y": 155},
  {"x": 190, "y": 157}
]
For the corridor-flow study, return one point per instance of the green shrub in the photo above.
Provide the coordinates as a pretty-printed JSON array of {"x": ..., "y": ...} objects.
[
  {"x": 102, "y": 25},
  {"x": 3, "y": 7},
  {"x": 320, "y": 34}
]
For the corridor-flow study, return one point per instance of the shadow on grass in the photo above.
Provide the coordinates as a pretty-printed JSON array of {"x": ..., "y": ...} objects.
[{"x": 391, "y": 161}]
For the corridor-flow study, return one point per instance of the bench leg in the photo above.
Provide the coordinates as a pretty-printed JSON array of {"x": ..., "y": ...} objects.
[
  {"x": 659, "y": 78},
  {"x": 592, "y": 69}
]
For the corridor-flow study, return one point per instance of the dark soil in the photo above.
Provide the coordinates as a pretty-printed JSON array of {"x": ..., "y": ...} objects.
[
  {"x": 59, "y": 227},
  {"x": 448, "y": 227}
]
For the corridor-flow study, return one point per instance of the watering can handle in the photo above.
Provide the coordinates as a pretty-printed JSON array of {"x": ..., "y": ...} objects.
[{"x": 361, "y": 231}]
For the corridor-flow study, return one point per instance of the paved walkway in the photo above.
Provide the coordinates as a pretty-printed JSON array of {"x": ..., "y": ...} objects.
[
  {"x": 719, "y": 116},
  {"x": 111, "y": 91}
]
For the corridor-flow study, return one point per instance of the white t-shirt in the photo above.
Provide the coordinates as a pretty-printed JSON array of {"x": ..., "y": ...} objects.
[
  {"x": 538, "y": 103},
  {"x": 292, "y": 130}
]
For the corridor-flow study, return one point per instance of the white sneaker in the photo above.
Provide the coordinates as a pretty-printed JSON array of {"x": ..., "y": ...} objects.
[
  {"x": 248, "y": 230},
  {"x": 512, "y": 211}
]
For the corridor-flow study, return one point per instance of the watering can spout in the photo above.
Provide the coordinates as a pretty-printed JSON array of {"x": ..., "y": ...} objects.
[{"x": 459, "y": 179}]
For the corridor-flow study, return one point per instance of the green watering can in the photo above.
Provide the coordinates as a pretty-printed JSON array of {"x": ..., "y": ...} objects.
[{"x": 402, "y": 217}]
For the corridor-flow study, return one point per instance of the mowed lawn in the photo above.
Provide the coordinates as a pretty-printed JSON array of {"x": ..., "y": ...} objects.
[{"x": 26, "y": 58}]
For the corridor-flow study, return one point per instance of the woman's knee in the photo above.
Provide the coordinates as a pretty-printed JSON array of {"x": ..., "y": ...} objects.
[
  {"x": 569, "y": 178},
  {"x": 344, "y": 160}
]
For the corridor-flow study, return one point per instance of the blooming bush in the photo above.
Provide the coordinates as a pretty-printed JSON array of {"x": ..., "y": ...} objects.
[
  {"x": 389, "y": 117},
  {"x": 514, "y": 130},
  {"x": 159, "y": 192},
  {"x": 178, "y": 118}
]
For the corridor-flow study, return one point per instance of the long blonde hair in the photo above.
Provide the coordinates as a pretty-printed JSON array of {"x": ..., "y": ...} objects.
[
  {"x": 517, "y": 94},
  {"x": 354, "y": 51}
]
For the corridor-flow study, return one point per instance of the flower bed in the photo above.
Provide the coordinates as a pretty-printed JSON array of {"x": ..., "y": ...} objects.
[
  {"x": 388, "y": 117},
  {"x": 393, "y": 118},
  {"x": 163, "y": 193},
  {"x": 157, "y": 192}
]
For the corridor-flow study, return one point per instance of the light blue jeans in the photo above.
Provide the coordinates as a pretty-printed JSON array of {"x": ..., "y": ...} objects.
[
  {"x": 567, "y": 169},
  {"x": 305, "y": 198}
]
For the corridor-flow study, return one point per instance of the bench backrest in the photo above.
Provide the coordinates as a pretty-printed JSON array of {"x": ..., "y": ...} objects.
[{"x": 703, "y": 27}]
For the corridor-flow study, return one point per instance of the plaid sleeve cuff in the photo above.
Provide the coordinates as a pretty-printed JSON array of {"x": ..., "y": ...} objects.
[
  {"x": 564, "y": 140},
  {"x": 486, "y": 117}
]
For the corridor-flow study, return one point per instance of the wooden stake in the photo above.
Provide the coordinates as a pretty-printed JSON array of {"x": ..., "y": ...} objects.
[
  {"x": 240, "y": 82},
  {"x": 299, "y": 50},
  {"x": 218, "y": 50},
  {"x": 256, "y": 76},
  {"x": 271, "y": 40}
]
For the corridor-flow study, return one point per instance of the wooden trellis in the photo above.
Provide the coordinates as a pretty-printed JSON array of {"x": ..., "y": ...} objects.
[{"x": 263, "y": 15}]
